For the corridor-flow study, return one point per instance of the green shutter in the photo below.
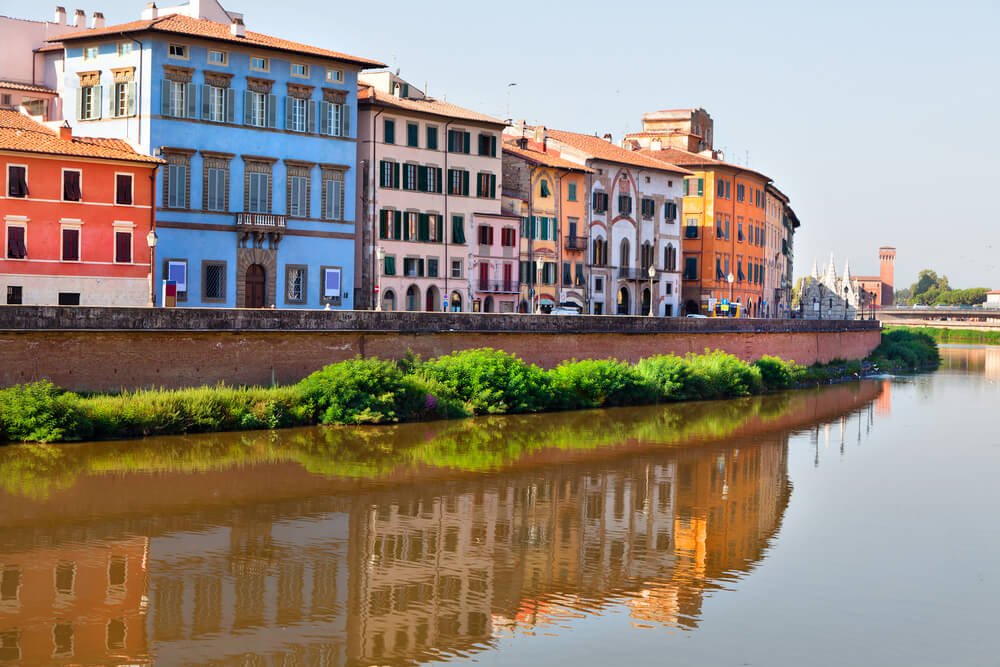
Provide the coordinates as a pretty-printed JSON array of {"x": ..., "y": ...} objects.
[
  {"x": 544, "y": 222},
  {"x": 395, "y": 175},
  {"x": 397, "y": 225},
  {"x": 466, "y": 142},
  {"x": 465, "y": 183},
  {"x": 457, "y": 230},
  {"x": 422, "y": 178},
  {"x": 390, "y": 265},
  {"x": 493, "y": 185},
  {"x": 701, "y": 186},
  {"x": 389, "y": 132},
  {"x": 439, "y": 228},
  {"x": 423, "y": 227},
  {"x": 439, "y": 182}
]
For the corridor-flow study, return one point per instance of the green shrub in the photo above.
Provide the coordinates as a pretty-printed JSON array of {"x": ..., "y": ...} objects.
[
  {"x": 41, "y": 412},
  {"x": 366, "y": 391},
  {"x": 907, "y": 350},
  {"x": 721, "y": 375},
  {"x": 489, "y": 381},
  {"x": 669, "y": 374},
  {"x": 595, "y": 383},
  {"x": 777, "y": 373}
]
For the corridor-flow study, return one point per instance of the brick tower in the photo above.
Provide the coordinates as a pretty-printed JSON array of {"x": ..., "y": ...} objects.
[{"x": 887, "y": 270}]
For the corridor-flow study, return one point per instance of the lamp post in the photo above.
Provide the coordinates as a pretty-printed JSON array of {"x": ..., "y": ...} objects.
[
  {"x": 538, "y": 292},
  {"x": 651, "y": 272},
  {"x": 151, "y": 241},
  {"x": 730, "y": 279},
  {"x": 845, "y": 302},
  {"x": 380, "y": 255}
]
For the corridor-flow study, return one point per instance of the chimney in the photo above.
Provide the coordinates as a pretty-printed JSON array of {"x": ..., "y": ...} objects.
[
  {"x": 656, "y": 145},
  {"x": 150, "y": 12},
  {"x": 607, "y": 138},
  {"x": 395, "y": 87},
  {"x": 66, "y": 132},
  {"x": 98, "y": 21},
  {"x": 79, "y": 19},
  {"x": 60, "y": 18},
  {"x": 237, "y": 28}
]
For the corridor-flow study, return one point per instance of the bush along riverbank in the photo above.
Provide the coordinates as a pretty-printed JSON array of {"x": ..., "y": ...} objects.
[
  {"x": 462, "y": 384},
  {"x": 956, "y": 336}
]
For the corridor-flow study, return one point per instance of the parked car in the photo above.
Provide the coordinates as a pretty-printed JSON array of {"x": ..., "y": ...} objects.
[{"x": 563, "y": 310}]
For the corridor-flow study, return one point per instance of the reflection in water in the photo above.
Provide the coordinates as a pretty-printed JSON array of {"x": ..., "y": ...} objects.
[
  {"x": 981, "y": 360},
  {"x": 398, "y": 545}
]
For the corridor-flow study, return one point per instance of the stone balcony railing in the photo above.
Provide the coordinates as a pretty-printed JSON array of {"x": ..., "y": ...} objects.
[{"x": 260, "y": 221}]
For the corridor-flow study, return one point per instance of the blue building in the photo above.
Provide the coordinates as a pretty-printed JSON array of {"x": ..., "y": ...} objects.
[{"x": 255, "y": 206}]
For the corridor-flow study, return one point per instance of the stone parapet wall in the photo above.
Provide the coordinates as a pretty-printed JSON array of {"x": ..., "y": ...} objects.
[{"x": 104, "y": 349}]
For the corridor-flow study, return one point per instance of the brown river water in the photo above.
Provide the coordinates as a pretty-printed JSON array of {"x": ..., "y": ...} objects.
[{"x": 857, "y": 524}]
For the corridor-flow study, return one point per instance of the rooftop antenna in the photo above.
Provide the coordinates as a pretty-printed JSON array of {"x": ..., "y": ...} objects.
[{"x": 747, "y": 164}]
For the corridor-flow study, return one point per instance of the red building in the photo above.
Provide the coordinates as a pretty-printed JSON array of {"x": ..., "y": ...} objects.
[{"x": 76, "y": 215}]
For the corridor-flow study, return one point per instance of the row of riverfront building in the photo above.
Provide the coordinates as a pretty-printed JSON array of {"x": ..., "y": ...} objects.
[{"x": 253, "y": 172}]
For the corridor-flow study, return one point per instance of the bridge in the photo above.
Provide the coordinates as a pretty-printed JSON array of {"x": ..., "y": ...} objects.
[{"x": 944, "y": 318}]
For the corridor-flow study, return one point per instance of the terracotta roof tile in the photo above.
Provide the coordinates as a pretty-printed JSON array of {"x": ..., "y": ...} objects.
[
  {"x": 694, "y": 161},
  {"x": 26, "y": 87},
  {"x": 428, "y": 105},
  {"x": 544, "y": 159},
  {"x": 180, "y": 24},
  {"x": 605, "y": 150},
  {"x": 20, "y": 133}
]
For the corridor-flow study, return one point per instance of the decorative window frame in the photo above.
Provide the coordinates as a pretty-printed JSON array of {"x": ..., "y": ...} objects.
[
  {"x": 131, "y": 179},
  {"x": 205, "y": 263},
  {"x": 62, "y": 185},
  {"x": 214, "y": 160},
  {"x": 305, "y": 284},
  {"x": 70, "y": 223},
  {"x": 122, "y": 226},
  {"x": 21, "y": 222}
]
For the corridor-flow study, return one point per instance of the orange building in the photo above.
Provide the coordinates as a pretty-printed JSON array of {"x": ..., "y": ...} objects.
[
  {"x": 76, "y": 215},
  {"x": 549, "y": 193}
]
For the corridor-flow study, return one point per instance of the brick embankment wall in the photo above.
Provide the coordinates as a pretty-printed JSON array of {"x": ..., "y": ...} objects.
[{"x": 106, "y": 349}]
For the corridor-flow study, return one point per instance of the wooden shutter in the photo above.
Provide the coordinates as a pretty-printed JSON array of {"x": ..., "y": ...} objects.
[
  {"x": 206, "y": 97},
  {"x": 422, "y": 178},
  {"x": 71, "y": 245},
  {"x": 466, "y": 142},
  {"x": 230, "y": 105},
  {"x": 438, "y": 181},
  {"x": 493, "y": 183},
  {"x": 288, "y": 112},
  {"x": 272, "y": 111},
  {"x": 701, "y": 186},
  {"x": 397, "y": 225},
  {"x": 123, "y": 247},
  {"x": 395, "y": 174},
  {"x": 191, "y": 98},
  {"x": 439, "y": 228},
  {"x": 247, "y": 107},
  {"x": 324, "y": 118},
  {"x": 423, "y": 227},
  {"x": 311, "y": 117},
  {"x": 465, "y": 183},
  {"x": 345, "y": 120}
]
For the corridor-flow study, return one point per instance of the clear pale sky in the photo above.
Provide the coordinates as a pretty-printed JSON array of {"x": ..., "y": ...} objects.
[{"x": 878, "y": 119}]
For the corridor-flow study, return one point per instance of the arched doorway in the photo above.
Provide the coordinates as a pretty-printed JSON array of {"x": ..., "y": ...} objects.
[
  {"x": 456, "y": 302},
  {"x": 433, "y": 299},
  {"x": 623, "y": 301},
  {"x": 691, "y": 308},
  {"x": 255, "y": 282},
  {"x": 488, "y": 305},
  {"x": 412, "y": 298},
  {"x": 389, "y": 301},
  {"x": 645, "y": 302}
]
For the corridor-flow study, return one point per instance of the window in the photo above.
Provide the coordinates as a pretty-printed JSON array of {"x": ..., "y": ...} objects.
[
  {"x": 16, "y": 242},
  {"x": 218, "y": 57},
  {"x": 68, "y": 298},
  {"x": 298, "y": 193},
  {"x": 409, "y": 177},
  {"x": 458, "y": 182},
  {"x": 217, "y": 104},
  {"x": 123, "y": 246},
  {"x": 691, "y": 230},
  {"x": 90, "y": 52},
  {"x": 485, "y": 235},
  {"x": 116, "y": 634},
  {"x": 458, "y": 230},
  {"x": 543, "y": 188},
  {"x": 648, "y": 208},
  {"x": 259, "y": 64},
  {"x": 413, "y": 267},
  {"x": 124, "y": 48},
  {"x": 690, "y": 268},
  {"x": 600, "y": 202},
  {"x": 456, "y": 268},
  {"x": 216, "y": 185},
  {"x": 89, "y": 105},
  {"x": 71, "y": 244},
  {"x": 432, "y": 138},
  {"x": 741, "y": 192},
  {"x": 300, "y": 70},
  {"x": 459, "y": 141},
  {"x": 299, "y": 115},
  {"x": 571, "y": 191},
  {"x": 6, "y": 99},
  {"x": 259, "y": 109},
  {"x": 334, "y": 75},
  {"x": 432, "y": 267},
  {"x": 486, "y": 185},
  {"x": 508, "y": 237},
  {"x": 389, "y": 131},
  {"x": 412, "y": 135},
  {"x": 600, "y": 252},
  {"x": 123, "y": 102},
  {"x": 258, "y": 192},
  {"x": 179, "y": 99},
  {"x": 670, "y": 211},
  {"x": 213, "y": 281},
  {"x": 178, "y": 51},
  {"x": 333, "y": 195},
  {"x": 720, "y": 189},
  {"x": 429, "y": 179},
  {"x": 487, "y": 145},
  {"x": 17, "y": 181},
  {"x": 333, "y": 119},
  {"x": 694, "y": 186},
  {"x": 176, "y": 183},
  {"x": 62, "y": 639},
  {"x": 388, "y": 174},
  {"x": 71, "y": 185},
  {"x": 15, "y": 295},
  {"x": 670, "y": 258},
  {"x": 624, "y": 204}
]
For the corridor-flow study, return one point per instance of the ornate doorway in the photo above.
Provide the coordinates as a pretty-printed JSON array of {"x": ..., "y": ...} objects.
[{"x": 255, "y": 282}]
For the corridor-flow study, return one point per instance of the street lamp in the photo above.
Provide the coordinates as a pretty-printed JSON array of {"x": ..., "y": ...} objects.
[
  {"x": 651, "y": 272},
  {"x": 845, "y": 302},
  {"x": 538, "y": 292},
  {"x": 380, "y": 254},
  {"x": 151, "y": 241},
  {"x": 730, "y": 279}
]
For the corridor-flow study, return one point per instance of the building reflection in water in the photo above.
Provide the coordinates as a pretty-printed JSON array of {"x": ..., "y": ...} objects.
[
  {"x": 223, "y": 567},
  {"x": 984, "y": 360}
]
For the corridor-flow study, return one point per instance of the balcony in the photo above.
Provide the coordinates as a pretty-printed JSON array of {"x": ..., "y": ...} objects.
[
  {"x": 576, "y": 243},
  {"x": 505, "y": 287},
  {"x": 627, "y": 273},
  {"x": 262, "y": 222}
]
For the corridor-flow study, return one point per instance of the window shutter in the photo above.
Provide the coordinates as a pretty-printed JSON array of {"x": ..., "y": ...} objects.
[
  {"x": 493, "y": 146},
  {"x": 324, "y": 118},
  {"x": 423, "y": 227},
  {"x": 206, "y": 97},
  {"x": 489, "y": 235},
  {"x": 311, "y": 117},
  {"x": 112, "y": 111},
  {"x": 493, "y": 178},
  {"x": 247, "y": 107},
  {"x": 288, "y": 113},
  {"x": 98, "y": 90},
  {"x": 466, "y": 142},
  {"x": 438, "y": 181},
  {"x": 395, "y": 174},
  {"x": 465, "y": 183},
  {"x": 130, "y": 98},
  {"x": 272, "y": 110},
  {"x": 422, "y": 178},
  {"x": 701, "y": 186},
  {"x": 397, "y": 225},
  {"x": 345, "y": 119},
  {"x": 79, "y": 103},
  {"x": 390, "y": 266},
  {"x": 439, "y": 228},
  {"x": 191, "y": 97},
  {"x": 123, "y": 247}
]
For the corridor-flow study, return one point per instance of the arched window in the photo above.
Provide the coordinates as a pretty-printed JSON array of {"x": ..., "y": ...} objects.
[
  {"x": 623, "y": 301},
  {"x": 389, "y": 300},
  {"x": 600, "y": 252},
  {"x": 670, "y": 257},
  {"x": 624, "y": 257},
  {"x": 647, "y": 255}
]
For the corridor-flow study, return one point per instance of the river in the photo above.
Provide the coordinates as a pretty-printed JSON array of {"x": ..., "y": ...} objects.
[{"x": 853, "y": 524}]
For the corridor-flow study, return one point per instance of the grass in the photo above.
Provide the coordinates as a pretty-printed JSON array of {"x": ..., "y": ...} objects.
[{"x": 956, "y": 336}]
